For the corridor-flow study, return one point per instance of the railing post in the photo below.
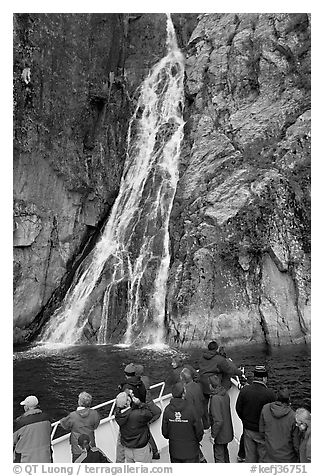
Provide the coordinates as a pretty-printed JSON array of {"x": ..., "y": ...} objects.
[{"x": 55, "y": 425}]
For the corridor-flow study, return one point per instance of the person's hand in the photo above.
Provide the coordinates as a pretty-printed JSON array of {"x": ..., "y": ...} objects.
[
  {"x": 136, "y": 400},
  {"x": 211, "y": 439}
]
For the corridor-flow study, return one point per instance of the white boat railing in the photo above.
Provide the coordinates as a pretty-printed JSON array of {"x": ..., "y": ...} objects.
[{"x": 113, "y": 404}]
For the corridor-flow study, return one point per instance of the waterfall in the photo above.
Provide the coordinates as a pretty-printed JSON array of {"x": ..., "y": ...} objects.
[{"x": 124, "y": 278}]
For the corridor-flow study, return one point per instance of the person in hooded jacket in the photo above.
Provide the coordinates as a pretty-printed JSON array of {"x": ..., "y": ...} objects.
[
  {"x": 182, "y": 427},
  {"x": 84, "y": 420},
  {"x": 133, "y": 382},
  {"x": 221, "y": 420},
  {"x": 212, "y": 363},
  {"x": 278, "y": 427}
]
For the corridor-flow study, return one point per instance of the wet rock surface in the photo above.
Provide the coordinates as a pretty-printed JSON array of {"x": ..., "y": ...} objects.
[
  {"x": 241, "y": 220},
  {"x": 240, "y": 225}
]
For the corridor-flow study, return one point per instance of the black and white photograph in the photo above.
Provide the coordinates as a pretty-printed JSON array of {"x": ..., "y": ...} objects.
[{"x": 161, "y": 193}]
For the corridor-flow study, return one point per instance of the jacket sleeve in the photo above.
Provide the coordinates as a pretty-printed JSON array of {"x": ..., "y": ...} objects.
[
  {"x": 239, "y": 405},
  {"x": 122, "y": 417},
  {"x": 147, "y": 414},
  {"x": 155, "y": 410},
  {"x": 217, "y": 418},
  {"x": 295, "y": 436},
  {"x": 308, "y": 450},
  {"x": 165, "y": 426},
  {"x": 16, "y": 436},
  {"x": 198, "y": 426},
  {"x": 262, "y": 423},
  {"x": 228, "y": 367},
  {"x": 66, "y": 423},
  {"x": 96, "y": 419}
]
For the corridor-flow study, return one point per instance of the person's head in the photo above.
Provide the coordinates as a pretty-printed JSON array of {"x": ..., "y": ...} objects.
[
  {"x": 260, "y": 373},
  {"x": 139, "y": 370},
  {"x": 123, "y": 400},
  {"x": 186, "y": 375},
  {"x": 212, "y": 345},
  {"x": 84, "y": 442},
  {"x": 176, "y": 361},
  {"x": 303, "y": 418},
  {"x": 283, "y": 395},
  {"x": 30, "y": 403},
  {"x": 130, "y": 370},
  {"x": 84, "y": 399},
  {"x": 178, "y": 390}
]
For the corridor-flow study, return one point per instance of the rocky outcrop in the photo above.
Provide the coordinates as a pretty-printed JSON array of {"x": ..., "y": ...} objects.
[
  {"x": 241, "y": 221},
  {"x": 240, "y": 227},
  {"x": 76, "y": 79}
]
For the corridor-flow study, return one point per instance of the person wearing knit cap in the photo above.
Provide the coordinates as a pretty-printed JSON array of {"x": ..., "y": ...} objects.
[
  {"x": 277, "y": 425},
  {"x": 90, "y": 454},
  {"x": 133, "y": 382},
  {"x": 249, "y": 404},
  {"x": 32, "y": 434},
  {"x": 182, "y": 427}
]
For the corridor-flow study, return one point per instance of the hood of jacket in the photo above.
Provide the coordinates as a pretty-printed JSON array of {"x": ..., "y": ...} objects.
[
  {"x": 83, "y": 412},
  {"x": 279, "y": 409},
  {"x": 177, "y": 404},
  {"x": 209, "y": 354}
]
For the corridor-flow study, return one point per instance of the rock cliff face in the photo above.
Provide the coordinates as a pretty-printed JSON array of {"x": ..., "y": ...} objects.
[
  {"x": 241, "y": 218},
  {"x": 240, "y": 228}
]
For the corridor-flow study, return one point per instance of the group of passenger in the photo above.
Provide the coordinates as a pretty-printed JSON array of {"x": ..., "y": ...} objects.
[{"x": 200, "y": 404}]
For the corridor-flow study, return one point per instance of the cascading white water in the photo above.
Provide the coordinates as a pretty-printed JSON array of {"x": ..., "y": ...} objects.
[{"x": 132, "y": 256}]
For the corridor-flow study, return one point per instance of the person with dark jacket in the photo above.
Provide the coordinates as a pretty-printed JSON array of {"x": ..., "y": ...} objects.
[
  {"x": 139, "y": 370},
  {"x": 174, "y": 375},
  {"x": 32, "y": 434},
  {"x": 194, "y": 396},
  {"x": 303, "y": 422},
  {"x": 192, "y": 392},
  {"x": 182, "y": 427},
  {"x": 278, "y": 427},
  {"x": 84, "y": 420},
  {"x": 90, "y": 454},
  {"x": 133, "y": 382},
  {"x": 249, "y": 404},
  {"x": 220, "y": 419},
  {"x": 133, "y": 418},
  {"x": 212, "y": 363}
]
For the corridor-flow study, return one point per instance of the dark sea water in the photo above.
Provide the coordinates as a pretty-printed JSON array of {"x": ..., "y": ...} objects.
[{"x": 57, "y": 376}]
